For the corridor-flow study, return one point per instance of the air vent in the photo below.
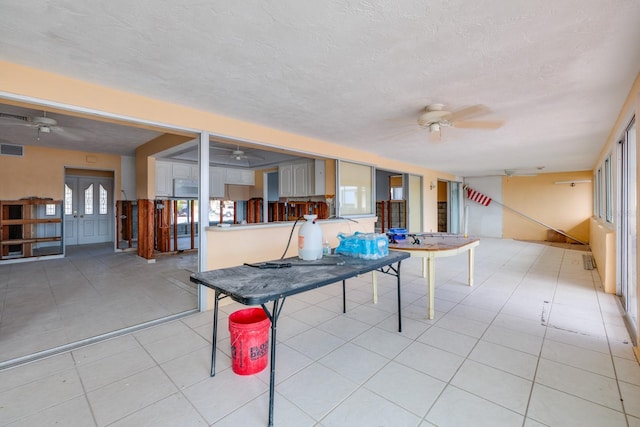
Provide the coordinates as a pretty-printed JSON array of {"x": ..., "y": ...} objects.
[
  {"x": 14, "y": 116},
  {"x": 11, "y": 150}
]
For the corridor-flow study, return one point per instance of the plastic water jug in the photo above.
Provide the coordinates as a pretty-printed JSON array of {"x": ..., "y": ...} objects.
[{"x": 310, "y": 239}]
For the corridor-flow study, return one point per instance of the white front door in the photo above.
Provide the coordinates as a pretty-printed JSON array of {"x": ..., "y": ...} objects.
[{"x": 88, "y": 210}]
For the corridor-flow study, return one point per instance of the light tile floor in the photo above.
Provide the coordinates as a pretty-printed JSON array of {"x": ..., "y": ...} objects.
[
  {"x": 534, "y": 343},
  {"x": 90, "y": 292}
]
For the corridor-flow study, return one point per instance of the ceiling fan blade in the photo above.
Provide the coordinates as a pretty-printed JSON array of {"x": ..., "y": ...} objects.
[
  {"x": 65, "y": 133},
  {"x": 474, "y": 110},
  {"x": 477, "y": 125},
  {"x": 228, "y": 150},
  {"x": 10, "y": 122}
]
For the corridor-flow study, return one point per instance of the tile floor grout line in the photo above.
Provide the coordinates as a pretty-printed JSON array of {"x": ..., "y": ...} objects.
[
  {"x": 179, "y": 390},
  {"x": 466, "y": 358},
  {"x": 539, "y": 356},
  {"x": 84, "y": 388},
  {"x": 613, "y": 364}
]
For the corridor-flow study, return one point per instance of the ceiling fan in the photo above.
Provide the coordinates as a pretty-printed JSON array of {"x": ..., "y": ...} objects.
[
  {"x": 238, "y": 154},
  {"x": 435, "y": 117},
  {"x": 42, "y": 124}
]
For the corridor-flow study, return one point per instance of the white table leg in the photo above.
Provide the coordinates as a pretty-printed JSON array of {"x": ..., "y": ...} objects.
[
  {"x": 374, "y": 282},
  {"x": 431, "y": 283},
  {"x": 471, "y": 262},
  {"x": 424, "y": 267}
]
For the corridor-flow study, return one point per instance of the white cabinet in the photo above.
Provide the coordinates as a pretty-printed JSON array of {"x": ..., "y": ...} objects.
[
  {"x": 319, "y": 178},
  {"x": 285, "y": 180},
  {"x": 184, "y": 170},
  {"x": 216, "y": 182},
  {"x": 239, "y": 176},
  {"x": 166, "y": 172},
  {"x": 164, "y": 179},
  {"x": 302, "y": 179}
]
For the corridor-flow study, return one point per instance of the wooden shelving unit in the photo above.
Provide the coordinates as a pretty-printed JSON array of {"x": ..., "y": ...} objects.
[
  {"x": 30, "y": 228},
  {"x": 391, "y": 214}
]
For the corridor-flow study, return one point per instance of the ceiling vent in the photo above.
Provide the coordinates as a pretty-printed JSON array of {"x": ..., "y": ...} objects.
[{"x": 11, "y": 150}]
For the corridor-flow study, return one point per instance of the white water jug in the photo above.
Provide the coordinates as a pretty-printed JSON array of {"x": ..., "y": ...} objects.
[{"x": 310, "y": 239}]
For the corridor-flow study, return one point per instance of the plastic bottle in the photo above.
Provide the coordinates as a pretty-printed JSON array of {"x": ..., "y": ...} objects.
[
  {"x": 310, "y": 239},
  {"x": 326, "y": 248}
]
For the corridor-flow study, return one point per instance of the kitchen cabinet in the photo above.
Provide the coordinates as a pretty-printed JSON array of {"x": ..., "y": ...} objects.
[
  {"x": 216, "y": 181},
  {"x": 319, "y": 183},
  {"x": 239, "y": 176},
  {"x": 167, "y": 172},
  {"x": 302, "y": 179},
  {"x": 285, "y": 180},
  {"x": 184, "y": 170},
  {"x": 164, "y": 179}
]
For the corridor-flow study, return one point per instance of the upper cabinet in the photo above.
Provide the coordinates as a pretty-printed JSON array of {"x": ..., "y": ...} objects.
[
  {"x": 302, "y": 178},
  {"x": 239, "y": 176},
  {"x": 216, "y": 182},
  {"x": 164, "y": 179},
  {"x": 184, "y": 170},
  {"x": 168, "y": 172}
]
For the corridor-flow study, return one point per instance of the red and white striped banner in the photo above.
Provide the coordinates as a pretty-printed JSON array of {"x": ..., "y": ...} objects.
[{"x": 477, "y": 197}]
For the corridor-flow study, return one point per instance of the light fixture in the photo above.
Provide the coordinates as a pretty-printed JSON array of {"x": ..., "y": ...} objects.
[{"x": 433, "y": 185}]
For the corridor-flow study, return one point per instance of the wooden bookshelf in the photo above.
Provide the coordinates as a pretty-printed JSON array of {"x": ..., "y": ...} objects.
[{"x": 30, "y": 228}]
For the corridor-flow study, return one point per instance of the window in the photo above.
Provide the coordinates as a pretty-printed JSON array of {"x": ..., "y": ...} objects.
[
  {"x": 597, "y": 194},
  {"x": 68, "y": 200},
  {"x": 50, "y": 209},
  {"x": 103, "y": 200},
  {"x": 355, "y": 189},
  {"x": 608, "y": 189},
  {"x": 88, "y": 200}
]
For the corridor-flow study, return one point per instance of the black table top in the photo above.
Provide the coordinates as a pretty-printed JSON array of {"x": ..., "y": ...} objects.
[{"x": 253, "y": 286}]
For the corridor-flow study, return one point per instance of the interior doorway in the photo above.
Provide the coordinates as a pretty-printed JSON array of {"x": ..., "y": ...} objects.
[
  {"x": 88, "y": 207},
  {"x": 449, "y": 207}
]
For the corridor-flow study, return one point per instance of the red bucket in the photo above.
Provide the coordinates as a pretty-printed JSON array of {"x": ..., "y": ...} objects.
[{"x": 249, "y": 330}]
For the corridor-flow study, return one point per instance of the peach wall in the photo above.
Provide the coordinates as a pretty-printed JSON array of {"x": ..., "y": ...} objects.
[
  {"x": 562, "y": 206},
  {"x": 146, "y": 164},
  {"x": 603, "y": 248},
  {"x": 48, "y": 87},
  {"x": 227, "y": 247},
  {"x": 40, "y": 172}
]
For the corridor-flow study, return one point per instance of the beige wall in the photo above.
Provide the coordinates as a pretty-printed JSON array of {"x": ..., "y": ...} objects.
[
  {"x": 29, "y": 82},
  {"x": 40, "y": 172},
  {"x": 146, "y": 163},
  {"x": 560, "y": 206},
  {"x": 603, "y": 248},
  {"x": 228, "y": 247}
]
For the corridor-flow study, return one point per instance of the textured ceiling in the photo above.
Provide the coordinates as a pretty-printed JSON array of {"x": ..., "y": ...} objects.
[{"x": 358, "y": 73}]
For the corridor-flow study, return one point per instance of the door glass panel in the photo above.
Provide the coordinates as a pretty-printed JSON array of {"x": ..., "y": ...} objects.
[
  {"x": 68, "y": 200},
  {"x": 103, "y": 200},
  {"x": 454, "y": 207},
  {"x": 88, "y": 200}
]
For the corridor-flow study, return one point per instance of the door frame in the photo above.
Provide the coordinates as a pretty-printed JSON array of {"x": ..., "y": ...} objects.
[{"x": 97, "y": 173}]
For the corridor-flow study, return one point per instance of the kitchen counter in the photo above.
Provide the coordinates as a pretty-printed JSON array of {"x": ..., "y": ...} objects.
[{"x": 257, "y": 225}]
